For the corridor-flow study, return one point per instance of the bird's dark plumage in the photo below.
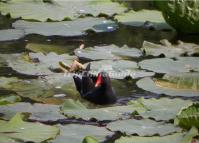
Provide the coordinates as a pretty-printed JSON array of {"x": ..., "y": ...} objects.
[{"x": 99, "y": 92}]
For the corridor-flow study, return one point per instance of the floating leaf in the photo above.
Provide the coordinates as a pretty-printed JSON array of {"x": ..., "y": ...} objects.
[
  {"x": 47, "y": 48},
  {"x": 39, "y": 112},
  {"x": 36, "y": 63},
  {"x": 166, "y": 65},
  {"x": 169, "y": 50},
  {"x": 160, "y": 109},
  {"x": 41, "y": 89},
  {"x": 90, "y": 139},
  {"x": 138, "y": 19},
  {"x": 110, "y": 52},
  {"x": 66, "y": 28},
  {"x": 174, "y": 138},
  {"x": 180, "y": 84},
  {"x": 59, "y": 10},
  {"x": 11, "y": 34},
  {"x": 109, "y": 113},
  {"x": 188, "y": 117},
  {"x": 75, "y": 133},
  {"x": 9, "y": 99},
  {"x": 144, "y": 127},
  {"x": 119, "y": 69},
  {"x": 17, "y": 129}
]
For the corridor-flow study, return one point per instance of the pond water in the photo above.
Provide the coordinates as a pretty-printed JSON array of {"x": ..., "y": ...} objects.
[{"x": 133, "y": 37}]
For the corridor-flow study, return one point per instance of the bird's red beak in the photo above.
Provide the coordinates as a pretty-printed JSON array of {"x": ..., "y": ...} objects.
[{"x": 99, "y": 80}]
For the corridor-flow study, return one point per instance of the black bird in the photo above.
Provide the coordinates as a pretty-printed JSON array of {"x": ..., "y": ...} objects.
[{"x": 99, "y": 92}]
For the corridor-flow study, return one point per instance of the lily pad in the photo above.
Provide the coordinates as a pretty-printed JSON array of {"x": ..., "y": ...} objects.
[
  {"x": 75, "y": 109},
  {"x": 181, "y": 84},
  {"x": 166, "y": 65},
  {"x": 9, "y": 99},
  {"x": 144, "y": 127},
  {"x": 11, "y": 34},
  {"x": 59, "y": 10},
  {"x": 169, "y": 50},
  {"x": 66, "y": 28},
  {"x": 76, "y": 133},
  {"x": 90, "y": 139},
  {"x": 18, "y": 130},
  {"x": 174, "y": 138},
  {"x": 160, "y": 109},
  {"x": 119, "y": 69},
  {"x": 138, "y": 19},
  {"x": 36, "y": 63},
  {"x": 47, "y": 48},
  {"x": 39, "y": 112},
  {"x": 41, "y": 89},
  {"x": 110, "y": 52}
]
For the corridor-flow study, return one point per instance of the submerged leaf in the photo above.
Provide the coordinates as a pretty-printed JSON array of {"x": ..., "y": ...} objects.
[
  {"x": 144, "y": 127},
  {"x": 47, "y": 48},
  {"x": 17, "y": 129}
]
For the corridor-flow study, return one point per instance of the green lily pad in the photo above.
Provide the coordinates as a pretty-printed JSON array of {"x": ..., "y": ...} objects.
[
  {"x": 90, "y": 139},
  {"x": 144, "y": 127},
  {"x": 110, "y": 52},
  {"x": 138, "y": 19},
  {"x": 47, "y": 48},
  {"x": 160, "y": 109},
  {"x": 41, "y": 89},
  {"x": 9, "y": 99},
  {"x": 18, "y": 130},
  {"x": 76, "y": 133},
  {"x": 174, "y": 138},
  {"x": 39, "y": 112},
  {"x": 181, "y": 84},
  {"x": 166, "y": 65},
  {"x": 59, "y": 10},
  {"x": 169, "y": 50},
  {"x": 119, "y": 69},
  {"x": 11, "y": 34},
  {"x": 36, "y": 63},
  {"x": 188, "y": 117},
  {"x": 66, "y": 28},
  {"x": 74, "y": 109}
]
